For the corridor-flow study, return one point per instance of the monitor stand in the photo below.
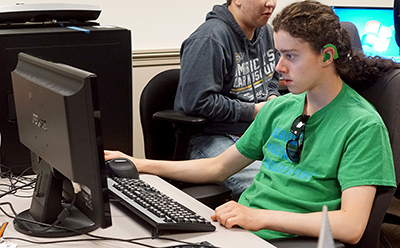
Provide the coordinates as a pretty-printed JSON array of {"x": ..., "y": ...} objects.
[
  {"x": 76, "y": 221},
  {"x": 47, "y": 204}
]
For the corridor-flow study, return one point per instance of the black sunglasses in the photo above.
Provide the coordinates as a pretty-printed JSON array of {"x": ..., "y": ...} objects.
[{"x": 295, "y": 145}]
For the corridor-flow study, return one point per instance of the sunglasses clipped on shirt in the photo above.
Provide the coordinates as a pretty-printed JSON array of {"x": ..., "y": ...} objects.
[{"x": 295, "y": 145}]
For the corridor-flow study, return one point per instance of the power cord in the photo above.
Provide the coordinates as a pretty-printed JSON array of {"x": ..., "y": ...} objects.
[
  {"x": 131, "y": 241},
  {"x": 15, "y": 180},
  {"x": 28, "y": 184},
  {"x": 92, "y": 236},
  {"x": 15, "y": 188},
  {"x": 63, "y": 215}
]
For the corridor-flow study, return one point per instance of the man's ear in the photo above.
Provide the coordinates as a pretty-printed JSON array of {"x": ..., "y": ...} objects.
[{"x": 237, "y": 2}]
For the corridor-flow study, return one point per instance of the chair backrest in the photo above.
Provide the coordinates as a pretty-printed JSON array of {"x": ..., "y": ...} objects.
[
  {"x": 354, "y": 35},
  {"x": 158, "y": 94},
  {"x": 384, "y": 95}
]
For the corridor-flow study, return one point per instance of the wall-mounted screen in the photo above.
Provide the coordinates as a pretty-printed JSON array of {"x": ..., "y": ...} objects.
[{"x": 376, "y": 29}]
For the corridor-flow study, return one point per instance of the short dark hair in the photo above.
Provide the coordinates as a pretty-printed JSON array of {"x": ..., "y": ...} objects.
[{"x": 228, "y": 2}]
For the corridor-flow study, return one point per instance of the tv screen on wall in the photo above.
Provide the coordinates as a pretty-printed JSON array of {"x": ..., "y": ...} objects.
[{"x": 375, "y": 26}]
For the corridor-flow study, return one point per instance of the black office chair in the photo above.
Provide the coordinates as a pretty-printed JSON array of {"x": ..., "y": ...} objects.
[
  {"x": 384, "y": 95},
  {"x": 354, "y": 36},
  {"x": 391, "y": 218},
  {"x": 167, "y": 133}
]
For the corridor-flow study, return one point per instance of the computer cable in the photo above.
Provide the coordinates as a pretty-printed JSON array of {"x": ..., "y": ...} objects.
[
  {"x": 64, "y": 213},
  {"x": 15, "y": 180},
  {"x": 204, "y": 244},
  {"x": 7, "y": 172},
  {"x": 93, "y": 237},
  {"x": 135, "y": 242},
  {"x": 15, "y": 188}
]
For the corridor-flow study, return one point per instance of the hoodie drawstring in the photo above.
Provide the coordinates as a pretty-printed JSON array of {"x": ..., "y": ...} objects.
[
  {"x": 264, "y": 63},
  {"x": 246, "y": 45}
]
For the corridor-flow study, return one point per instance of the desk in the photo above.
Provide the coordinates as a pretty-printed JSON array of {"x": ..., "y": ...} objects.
[{"x": 126, "y": 225}]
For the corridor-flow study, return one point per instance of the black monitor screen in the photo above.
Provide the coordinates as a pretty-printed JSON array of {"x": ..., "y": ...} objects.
[
  {"x": 375, "y": 26},
  {"x": 59, "y": 122}
]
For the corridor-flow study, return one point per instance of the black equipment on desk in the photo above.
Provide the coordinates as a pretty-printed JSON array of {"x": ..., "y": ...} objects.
[
  {"x": 159, "y": 210},
  {"x": 58, "y": 116},
  {"x": 103, "y": 50},
  {"x": 55, "y": 12}
]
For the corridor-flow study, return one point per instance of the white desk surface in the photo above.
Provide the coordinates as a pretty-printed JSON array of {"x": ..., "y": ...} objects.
[{"x": 124, "y": 226}]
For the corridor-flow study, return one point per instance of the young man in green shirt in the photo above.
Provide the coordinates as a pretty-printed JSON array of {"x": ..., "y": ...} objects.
[{"x": 322, "y": 144}]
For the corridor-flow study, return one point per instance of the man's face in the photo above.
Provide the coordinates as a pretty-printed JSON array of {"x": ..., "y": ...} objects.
[
  {"x": 299, "y": 65},
  {"x": 255, "y": 13}
]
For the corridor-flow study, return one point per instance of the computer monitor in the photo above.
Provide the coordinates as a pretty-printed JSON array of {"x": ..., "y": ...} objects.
[
  {"x": 376, "y": 28},
  {"x": 59, "y": 122}
]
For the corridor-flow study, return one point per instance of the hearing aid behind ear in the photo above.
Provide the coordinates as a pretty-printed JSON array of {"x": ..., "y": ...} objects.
[{"x": 327, "y": 56}]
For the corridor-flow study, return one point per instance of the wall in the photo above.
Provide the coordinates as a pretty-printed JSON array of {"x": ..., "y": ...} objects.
[
  {"x": 158, "y": 24},
  {"x": 146, "y": 64}
]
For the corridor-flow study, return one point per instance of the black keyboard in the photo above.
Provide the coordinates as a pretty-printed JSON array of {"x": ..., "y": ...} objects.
[{"x": 159, "y": 210}]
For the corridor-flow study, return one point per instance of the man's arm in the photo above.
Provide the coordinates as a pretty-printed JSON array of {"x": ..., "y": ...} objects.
[
  {"x": 205, "y": 65},
  {"x": 208, "y": 170},
  {"x": 348, "y": 224},
  {"x": 258, "y": 106}
]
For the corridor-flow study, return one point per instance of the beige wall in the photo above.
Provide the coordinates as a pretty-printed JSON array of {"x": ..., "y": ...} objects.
[{"x": 146, "y": 64}]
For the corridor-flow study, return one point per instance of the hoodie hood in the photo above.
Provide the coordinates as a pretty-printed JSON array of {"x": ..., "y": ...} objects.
[{"x": 222, "y": 13}]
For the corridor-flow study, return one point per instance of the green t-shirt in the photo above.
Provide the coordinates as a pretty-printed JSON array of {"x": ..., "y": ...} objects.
[{"x": 346, "y": 144}]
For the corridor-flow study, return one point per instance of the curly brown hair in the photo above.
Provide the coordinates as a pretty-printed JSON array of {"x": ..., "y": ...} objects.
[{"x": 318, "y": 25}]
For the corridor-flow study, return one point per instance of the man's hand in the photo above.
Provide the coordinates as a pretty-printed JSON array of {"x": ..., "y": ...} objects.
[
  {"x": 233, "y": 214},
  {"x": 115, "y": 154},
  {"x": 258, "y": 106}
]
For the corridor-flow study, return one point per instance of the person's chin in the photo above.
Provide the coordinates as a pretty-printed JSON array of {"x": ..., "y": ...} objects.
[{"x": 292, "y": 89}]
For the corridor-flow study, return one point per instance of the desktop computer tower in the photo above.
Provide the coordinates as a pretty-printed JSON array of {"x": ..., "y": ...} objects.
[{"x": 103, "y": 50}]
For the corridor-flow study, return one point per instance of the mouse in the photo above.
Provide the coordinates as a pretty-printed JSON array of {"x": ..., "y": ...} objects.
[{"x": 122, "y": 167}]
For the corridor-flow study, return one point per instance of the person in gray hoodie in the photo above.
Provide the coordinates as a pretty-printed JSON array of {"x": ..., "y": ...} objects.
[{"x": 227, "y": 74}]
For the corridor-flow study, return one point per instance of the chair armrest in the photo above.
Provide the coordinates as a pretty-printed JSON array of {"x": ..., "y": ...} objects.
[
  {"x": 300, "y": 242},
  {"x": 212, "y": 195},
  {"x": 179, "y": 117}
]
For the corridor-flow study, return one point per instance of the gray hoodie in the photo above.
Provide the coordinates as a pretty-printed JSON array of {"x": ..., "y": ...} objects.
[{"x": 222, "y": 74}]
